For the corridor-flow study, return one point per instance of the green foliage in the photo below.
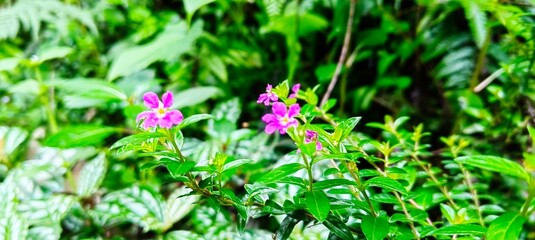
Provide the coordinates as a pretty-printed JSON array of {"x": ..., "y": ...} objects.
[{"x": 76, "y": 162}]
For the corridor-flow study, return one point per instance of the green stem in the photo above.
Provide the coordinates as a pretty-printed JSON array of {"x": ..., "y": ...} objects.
[
  {"x": 309, "y": 171},
  {"x": 480, "y": 61},
  {"x": 52, "y": 123},
  {"x": 473, "y": 191}
]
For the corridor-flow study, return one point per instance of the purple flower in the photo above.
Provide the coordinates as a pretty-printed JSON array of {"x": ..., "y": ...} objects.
[
  {"x": 311, "y": 136},
  {"x": 281, "y": 119},
  {"x": 295, "y": 90},
  {"x": 268, "y": 96},
  {"x": 160, "y": 114}
]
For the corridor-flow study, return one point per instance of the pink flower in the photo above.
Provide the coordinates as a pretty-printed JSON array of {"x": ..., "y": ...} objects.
[
  {"x": 160, "y": 114},
  {"x": 295, "y": 90},
  {"x": 311, "y": 136},
  {"x": 281, "y": 119},
  {"x": 268, "y": 96}
]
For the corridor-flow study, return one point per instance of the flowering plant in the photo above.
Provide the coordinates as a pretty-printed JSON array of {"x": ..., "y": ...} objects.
[{"x": 336, "y": 180}]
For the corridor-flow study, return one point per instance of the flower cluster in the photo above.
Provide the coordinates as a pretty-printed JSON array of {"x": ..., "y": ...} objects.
[
  {"x": 160, "y": 113},
  {"x": 282, "y": 117}
]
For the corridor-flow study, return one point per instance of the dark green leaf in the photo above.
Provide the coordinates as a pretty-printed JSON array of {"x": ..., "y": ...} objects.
[
  {"x": 386, "y": 183},
  {"x": 286, "y": 228},
  {"x": 318, "y": 204},
  {"x": 236, "y": 163},
  {"x": 329, "y": 183},
  {"x": 339, "y": 228},
  {"x": 344, "y": 129},
  {"x": 179, "y": 168}
]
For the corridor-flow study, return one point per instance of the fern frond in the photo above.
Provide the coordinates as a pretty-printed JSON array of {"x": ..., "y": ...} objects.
[
  {"x": 477, "y": 20},
  {"x": 273, "y": 7},
  {"x": 29, "y": 14}
]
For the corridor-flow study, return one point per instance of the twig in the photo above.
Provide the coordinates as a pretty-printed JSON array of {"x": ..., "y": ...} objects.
[{"x": 343, "y": 54}]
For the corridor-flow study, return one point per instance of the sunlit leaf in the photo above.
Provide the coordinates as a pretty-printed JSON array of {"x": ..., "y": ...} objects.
[{"x": 506, "y": 226}]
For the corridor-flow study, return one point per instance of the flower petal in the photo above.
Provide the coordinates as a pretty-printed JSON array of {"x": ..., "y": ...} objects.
[
  {"x": 279, "y": 109},
  {"x": 262, "y": 99},
  {"x": 318, "y": 146},
  {"x": 294, "y": 110},
  {"x": 271, "y": 128},
  {"x": 268, "y": 118},
  {"x": 167, "y": 99},
  {"x": 150, "y": 119},
  {"x": 165, "y": 122},
  {"x": 175, "y": 116},
  {"x": 151, "y": 100}
]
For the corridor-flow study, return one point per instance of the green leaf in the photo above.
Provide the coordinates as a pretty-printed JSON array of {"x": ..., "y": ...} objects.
[
  {"x": 286, "y": 228},
  {"x": 339, "y": 228},
  {"x": 140, "y": 205},
  {"x": 178, "y": 206},
  {"x": 11, "y": 138},
  {"x": 45, "y": 231},
  {"x": 90, "y": 92},
  {"x": 13, "y": 227},
  {"x": 280, "y": 172},
  {"x": 505, "y": 227},
  {"x": 195, "y": 95},
  {"x": 53, "y": 52},
  {"x": 193, "y": 119},
  {"x": 495, "y": 164},
  {"x": 136, "y": 139},
  {"x": 91, "y": 176},
  {"x": 448, "y": 212},
  {"x": 168, "y": 45},
  {"x": 236, "y": 163},
  {"x": 344, "y": 129},
  {"x": 477, "y": 20},
  {"x": 8, "y": 64},
  {"x": 329, "y": 183},
  {"x": 179, "y": 168},
  {"x": 461, "y": 229},
  {"x": 192, "y": 5},
  {"x": 375, "y": 228},
  {"x": 386, "y": 183},
  {"x": 79, "y": 136},
  {"x": 318, "y": 204},
  {"x": 182, "y": 235}
]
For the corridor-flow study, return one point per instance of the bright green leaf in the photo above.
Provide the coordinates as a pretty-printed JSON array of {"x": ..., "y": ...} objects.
[
  {"x": 386, "y": 183},
  {"x": 375, "y": 228},
  {"x": 193, "y": 119},
  {"x": 505, "y": 227},
  {"x": 79, "y": 136},
  {"x": 495, "y": 164},
  {"x": 461, "y": 229},
  {"x": 280, "y": 172},
  {"x": 329, "y": 183},
  {"x": 195, "y": 95},
  {"x": 136, "y": 139}
]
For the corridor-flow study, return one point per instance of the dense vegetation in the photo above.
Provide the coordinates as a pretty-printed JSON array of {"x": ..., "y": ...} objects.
[{"x": 300, "y": 119}]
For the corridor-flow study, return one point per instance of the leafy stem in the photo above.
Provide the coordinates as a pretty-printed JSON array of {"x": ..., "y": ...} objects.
[{"x": 47, "y": 101}]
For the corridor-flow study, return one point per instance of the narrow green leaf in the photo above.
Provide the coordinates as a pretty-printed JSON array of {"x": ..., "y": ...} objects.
[
  {"x": 91, "y": 176},
  {"x": 344, "y": 129},
  {"x": 505, "y": 227},
  {"x": 375, "y": 228},
  {"x": 461, "y": 229},
  {"x": 286, "y": 228},
  {"x": 280, "y": 172},
  {"x": 13, "y": 227},
  {"x": 448, "y": 212},
  {"x": 11, "y": 138},
  {"x": 136, "y": 139},
  {"x": 495, "y": 164},
  {"x": 386, "y": 183},
  {"x": 193, "y": 119},
  {"x": 79, "y": 136},
  {"x": 329, "y": 183},
  {"x": 318, "y": 204}
]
